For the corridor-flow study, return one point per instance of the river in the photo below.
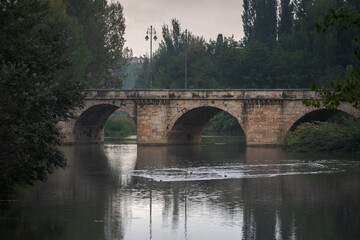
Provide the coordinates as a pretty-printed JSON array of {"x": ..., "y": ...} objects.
[{"x": 218, "y": 190}]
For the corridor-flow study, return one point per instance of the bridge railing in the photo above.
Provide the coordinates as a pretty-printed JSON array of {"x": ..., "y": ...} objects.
[{"x": 289, "y": 94}]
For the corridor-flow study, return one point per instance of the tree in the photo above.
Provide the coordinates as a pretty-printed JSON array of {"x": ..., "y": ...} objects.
[
  {"x": 348, "y": 90},
  {"x": 117, "y": 56},
  {"x": 248, "y": 19},
  {"x": 168, "y": 65},
  {"x": 103, "y": 27},
  {"x": 34, "y": 49},
  {"x": 142, "y": 73},
  {"x": 75, "y": 49},
  {"x": 286, "y": 18},
  {"x": 260, "y": 21},
  {"x": 298, "y": 56}
]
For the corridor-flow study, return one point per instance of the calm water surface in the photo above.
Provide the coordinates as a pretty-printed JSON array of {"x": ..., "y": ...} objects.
[{"x": 219, "y": 190}]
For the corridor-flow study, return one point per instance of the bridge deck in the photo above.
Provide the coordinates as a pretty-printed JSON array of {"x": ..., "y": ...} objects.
[{"x": 208, "y": 94}]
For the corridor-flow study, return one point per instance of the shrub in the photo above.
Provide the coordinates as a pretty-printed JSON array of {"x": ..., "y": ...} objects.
[
  {"x": 341, "y": 135},
  {"x": 223, "y": 124}
]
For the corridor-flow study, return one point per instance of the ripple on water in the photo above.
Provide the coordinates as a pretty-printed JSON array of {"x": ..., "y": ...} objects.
[{"x": 236, "y": 171}]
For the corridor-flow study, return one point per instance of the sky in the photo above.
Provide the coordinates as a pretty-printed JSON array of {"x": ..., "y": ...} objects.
[{"x": 205, "y": 18}]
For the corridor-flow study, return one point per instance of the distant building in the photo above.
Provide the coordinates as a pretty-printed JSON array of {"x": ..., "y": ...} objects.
[{"x": 137, "y": 60}]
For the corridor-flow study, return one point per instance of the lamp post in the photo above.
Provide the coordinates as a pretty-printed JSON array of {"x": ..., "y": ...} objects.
[
  {"x": 151, "y": 31},
  {"x": 186, "y": 39}
]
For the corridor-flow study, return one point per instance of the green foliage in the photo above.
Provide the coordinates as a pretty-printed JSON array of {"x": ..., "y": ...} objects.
[
  {"x": 117, "y": 56},
  {"x": 286, "y": 18},
  {"x": 288, "y": 53},
  {"x": 75, "y": 46},
  {"x": 103, "y": 28},
  {"x": 347, "y": 90},
  {"x": 340, "y": 91},
  {"x": 265, "y": 23},
  {"x": 169, "y": 60},
  {"x": 248, "y": 18},
  {"x": 142, "y": 77},
  {"x": 260, "y": 21},
  {"x": 341, "y": 135},
  {"x": 119, "y": 127},
  {"x": 38, "y": 44},
  {"x": 223, "y": 123}
]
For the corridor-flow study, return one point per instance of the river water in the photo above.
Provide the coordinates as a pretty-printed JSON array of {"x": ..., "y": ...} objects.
[{"x": 218, "y": 190}]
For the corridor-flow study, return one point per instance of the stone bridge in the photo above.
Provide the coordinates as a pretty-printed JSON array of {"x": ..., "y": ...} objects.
[{"x": 179, "y": 116}]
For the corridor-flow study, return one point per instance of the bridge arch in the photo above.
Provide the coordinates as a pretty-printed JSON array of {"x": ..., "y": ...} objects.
[
  {"x": 321, "y": 114},
  {"x": 89, "y": 127},
  {"x": 187, "y": 126}
]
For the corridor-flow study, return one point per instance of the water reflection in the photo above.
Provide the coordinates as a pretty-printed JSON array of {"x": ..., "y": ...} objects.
[
  {"x": 102, "y": 195},
  {"x": 122, "y": 161}
]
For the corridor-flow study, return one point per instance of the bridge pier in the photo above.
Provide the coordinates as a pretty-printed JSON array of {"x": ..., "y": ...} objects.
[
  {"x": 179, "y": 116},
  {"x": 151, "y": 122}
]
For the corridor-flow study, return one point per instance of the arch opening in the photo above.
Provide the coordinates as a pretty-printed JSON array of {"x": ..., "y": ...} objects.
[
  {"x": 321, "y": 115},
  {"x": 120, "y": 127},
  {"x": 189, "y": 128},
  {"x": 89, "y": 127},
  {"x": 332, "y": 131}
]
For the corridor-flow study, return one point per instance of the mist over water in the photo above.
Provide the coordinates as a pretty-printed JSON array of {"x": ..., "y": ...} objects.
[{"x": 217, "y": 190}]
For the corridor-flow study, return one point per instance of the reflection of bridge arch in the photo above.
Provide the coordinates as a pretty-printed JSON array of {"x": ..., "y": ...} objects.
[{"x": 186, "y": 127}]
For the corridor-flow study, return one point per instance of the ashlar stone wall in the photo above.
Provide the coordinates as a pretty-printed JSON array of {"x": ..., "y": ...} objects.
[{"x": 179, "y": 116}]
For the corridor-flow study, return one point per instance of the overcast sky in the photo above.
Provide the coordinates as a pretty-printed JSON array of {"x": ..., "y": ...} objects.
[{"x": 205, "y": 18}]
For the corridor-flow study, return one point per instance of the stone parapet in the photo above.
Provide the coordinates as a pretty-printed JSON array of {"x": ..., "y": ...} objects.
[{"x": 176, "y": 94}]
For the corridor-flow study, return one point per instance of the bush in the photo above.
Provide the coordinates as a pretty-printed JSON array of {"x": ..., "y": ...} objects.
[
  {"x": 119, "y": 127},
  {"x": 341, "y": 135},
  {"x": 223, "y": 124}
]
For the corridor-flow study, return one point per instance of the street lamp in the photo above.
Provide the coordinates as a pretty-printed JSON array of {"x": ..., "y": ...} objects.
[
  {"x": 151, "y": 31},
  {"x": 186, "y": 39}
]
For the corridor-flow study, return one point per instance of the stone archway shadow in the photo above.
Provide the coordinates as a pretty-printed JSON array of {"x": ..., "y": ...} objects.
[
  {"x": 320, "y": 115},
  {"x": 187, "y": 129},
  {"x": 89, "y": 127}
]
